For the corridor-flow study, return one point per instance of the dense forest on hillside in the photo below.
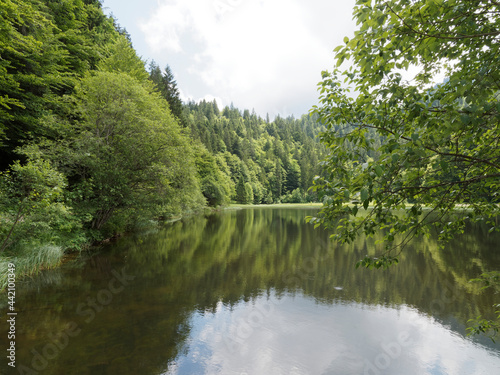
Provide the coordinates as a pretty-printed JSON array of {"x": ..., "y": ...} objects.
[
  {"x": 242, "y": 157},
  {"x": 266, "y": 161},
  {"x": 93, "y": 143}
]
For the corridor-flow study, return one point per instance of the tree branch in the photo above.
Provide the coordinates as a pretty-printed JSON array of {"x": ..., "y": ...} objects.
[{"x": 5, "y": 243}]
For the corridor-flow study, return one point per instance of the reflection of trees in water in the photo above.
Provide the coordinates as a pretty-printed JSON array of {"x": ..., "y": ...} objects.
[
  {"x": 240, "y": 255},
  {"x": 194, "y": 263}
]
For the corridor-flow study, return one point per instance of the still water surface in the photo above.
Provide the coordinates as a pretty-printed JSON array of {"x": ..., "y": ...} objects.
[{"x": 256, "y": 291}]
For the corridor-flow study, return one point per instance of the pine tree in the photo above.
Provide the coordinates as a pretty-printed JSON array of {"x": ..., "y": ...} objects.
[{"x": 167, "y": 86}]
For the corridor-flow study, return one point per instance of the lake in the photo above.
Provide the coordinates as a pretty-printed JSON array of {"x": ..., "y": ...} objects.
[{"x": 256, "y": 291}]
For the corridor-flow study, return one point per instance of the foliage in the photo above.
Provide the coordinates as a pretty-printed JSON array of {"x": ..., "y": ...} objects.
[
  {"x": 216, "y": 184},
  {"x": 31, "y": 206},
  {"x": 488, "y": 279},
  {"x": 93, "y": 144},
  {"x": 44, "y": 46},
  {"x": 266, "y": 161},
  {"x": 107, "y": 134},
  {"x": 490, "y": 327},
  {"x": 441, "y": 142},
  {"x": 122, "y": 58},
  {"x": 244, "y": 192},
  {"x": 439, "y": 161},
  {"x": 167, "y": 86},
  {"x": 479, "y": 325},
  {"x": 127, "y": 156},
  {"x": 485, "y": 326}
]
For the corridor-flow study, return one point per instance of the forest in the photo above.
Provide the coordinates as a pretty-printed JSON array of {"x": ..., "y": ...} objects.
[{"x": 95, "y": 141}]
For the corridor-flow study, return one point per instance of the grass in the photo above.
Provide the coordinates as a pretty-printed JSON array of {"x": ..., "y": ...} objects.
[{"x": 29, "y": 260}]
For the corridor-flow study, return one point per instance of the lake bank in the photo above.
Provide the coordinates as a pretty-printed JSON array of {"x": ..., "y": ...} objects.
[{"x": 34, "y": 260}]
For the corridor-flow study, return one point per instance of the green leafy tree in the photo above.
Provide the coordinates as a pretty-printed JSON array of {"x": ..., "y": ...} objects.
[
  {"x": 292, "y": 175},
  {"x": 441, "y": 141},
  {"x": 216, "y": 184},
  {"x": 278, "y": 179},
  {"x": 126, "y": 158},
  {"x": 440, "y": 146},
  {"x": 44, "y": 46},
  {"x": 243, "y": 140},
  {"x": 83, "y": 31},
  {"x": 122, "y": 58},
  {"x": 244, "y": 192},
  {"x": 31, "y": 205},
  {"x": 32, "y": 67}
]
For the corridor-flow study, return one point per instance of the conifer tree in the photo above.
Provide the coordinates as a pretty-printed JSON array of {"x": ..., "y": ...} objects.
[{"x": 167, "y": 86}]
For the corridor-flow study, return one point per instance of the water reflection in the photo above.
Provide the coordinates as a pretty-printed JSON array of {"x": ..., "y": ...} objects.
[
  {"x": 258, "y": 291},
  {"x": 295, "y": 335}
]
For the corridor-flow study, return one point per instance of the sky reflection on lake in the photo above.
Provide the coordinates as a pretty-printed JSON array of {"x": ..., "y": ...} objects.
[{"x": 294, "y": 334}]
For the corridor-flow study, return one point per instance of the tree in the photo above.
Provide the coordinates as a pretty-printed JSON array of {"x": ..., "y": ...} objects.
[
  {"x": 31, "y": 68},
  {"x": 32, "y": 207},
  {"x": 167, "y": 86},
  {"x": 278, "y": 180},
  {"x": 441, "y": 141},
  {"x": 122, "y": 58},
  {"x": 292, "y": 175},
  {"x": 240, "y": 137},
  {"x": 44, "y": 46},
  {"x": 244, "y": 192},
  {"x": 126, "y": 158},
  {"x": 216, "y": 185}
]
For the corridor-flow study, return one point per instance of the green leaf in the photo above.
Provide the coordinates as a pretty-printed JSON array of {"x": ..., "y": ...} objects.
[
  {"x": 364, "y": 194},
  {"x": 465, "y": 119}
]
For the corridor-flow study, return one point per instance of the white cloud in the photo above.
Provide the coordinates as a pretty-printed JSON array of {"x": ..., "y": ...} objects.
[
  {"x": 266, "y": 55},
  {"x": 165, "y": 34}
]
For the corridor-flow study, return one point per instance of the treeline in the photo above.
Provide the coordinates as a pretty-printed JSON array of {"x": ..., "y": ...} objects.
[
  {"x": 267, "y": 162},
  {"x": 93, "y": 143},
  {"x": 240, "y": 156}
]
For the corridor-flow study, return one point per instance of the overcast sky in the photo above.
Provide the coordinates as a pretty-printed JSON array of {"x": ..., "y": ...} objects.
[{"x": 265, "y": 55}]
